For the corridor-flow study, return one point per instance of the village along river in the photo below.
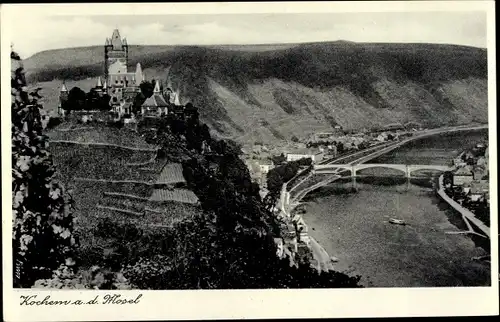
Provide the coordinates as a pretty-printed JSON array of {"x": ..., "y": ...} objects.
[{"x": 353, "y": 226}]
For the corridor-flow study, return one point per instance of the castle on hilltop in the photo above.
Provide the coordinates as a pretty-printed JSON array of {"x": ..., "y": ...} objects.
[{"x": 123, "y": 85}]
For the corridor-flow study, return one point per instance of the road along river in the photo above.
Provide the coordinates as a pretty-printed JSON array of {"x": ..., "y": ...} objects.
[{"x": 353, "y": 226}]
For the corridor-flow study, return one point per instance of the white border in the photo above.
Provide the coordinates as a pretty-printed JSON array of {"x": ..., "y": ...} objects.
[{"x": 257, "y": 303}]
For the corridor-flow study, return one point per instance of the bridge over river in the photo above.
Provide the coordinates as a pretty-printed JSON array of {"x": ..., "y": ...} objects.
[
  {"x": 407, "y": 169},
  {"x": 292, "y": 194}
]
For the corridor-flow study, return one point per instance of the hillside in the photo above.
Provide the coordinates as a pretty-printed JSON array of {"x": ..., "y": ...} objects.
[{"x": 266, "y": 93}]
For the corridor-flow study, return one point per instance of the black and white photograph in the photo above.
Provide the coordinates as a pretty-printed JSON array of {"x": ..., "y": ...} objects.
[{"x": 249, "y": 151}]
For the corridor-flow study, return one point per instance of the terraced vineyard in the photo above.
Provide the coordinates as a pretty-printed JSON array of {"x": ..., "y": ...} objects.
[
  {"x": 99, "y": 134},
  {"x": 125, "y": 185},
  {"x": 102, "y": 162}
]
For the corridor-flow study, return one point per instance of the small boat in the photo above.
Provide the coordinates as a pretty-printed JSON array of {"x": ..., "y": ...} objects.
[{"x": 397, "y": 221}]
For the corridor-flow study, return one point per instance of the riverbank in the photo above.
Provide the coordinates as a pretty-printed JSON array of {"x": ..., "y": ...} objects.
[
  {"x": 468, "y": 215},
  {"x": 354, "y": 228}
]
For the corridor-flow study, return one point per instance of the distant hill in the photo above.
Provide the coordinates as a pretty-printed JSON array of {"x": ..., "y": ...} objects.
[{"x": 272, "y": 92}]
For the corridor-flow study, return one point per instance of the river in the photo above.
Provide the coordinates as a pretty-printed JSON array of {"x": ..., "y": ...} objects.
[{"x": 353, "y": 226}]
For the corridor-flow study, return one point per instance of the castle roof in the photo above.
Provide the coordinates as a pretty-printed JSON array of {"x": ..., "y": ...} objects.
[
  {"x": 155, "y": 100},
  {"x": 63, "y": 88},
  {"x": 99, "y": 82},
  {"x": 176, "y": 99}
]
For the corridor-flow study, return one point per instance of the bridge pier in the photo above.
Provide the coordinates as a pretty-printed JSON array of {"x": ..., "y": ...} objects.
[
  {"x": 354, "y": 183},
  {"x": 408, "y": 177}
]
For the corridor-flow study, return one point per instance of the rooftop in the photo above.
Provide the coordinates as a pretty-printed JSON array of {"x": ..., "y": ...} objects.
[
  {"x": 155, "y": 100},
  {"x": 304, "y": 151},
  {"x": 463, "y": 171}
]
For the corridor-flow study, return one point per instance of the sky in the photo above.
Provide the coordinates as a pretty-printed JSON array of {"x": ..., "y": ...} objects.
[{"x": 53, "y": 32}]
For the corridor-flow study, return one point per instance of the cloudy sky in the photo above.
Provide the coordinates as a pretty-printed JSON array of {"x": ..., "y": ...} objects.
[{"x": 51, "y": 32}]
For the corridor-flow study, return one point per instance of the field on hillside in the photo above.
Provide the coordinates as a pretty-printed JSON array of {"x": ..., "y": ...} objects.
[{"x": 261, "y": 93}]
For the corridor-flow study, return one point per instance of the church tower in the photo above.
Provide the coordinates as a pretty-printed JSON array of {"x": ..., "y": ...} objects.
[{"x": 115, "y": 50}]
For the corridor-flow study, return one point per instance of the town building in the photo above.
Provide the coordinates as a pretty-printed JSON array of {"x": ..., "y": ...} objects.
[
  {"x": 459, "y": 162},
  {"x": 265, "y": 167},
  {"x": 462, "y": 175},
  {"x": 314, "y": 155}
]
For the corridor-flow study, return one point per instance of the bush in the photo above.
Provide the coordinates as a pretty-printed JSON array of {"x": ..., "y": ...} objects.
[
  {"x": 53, "y": 122},
  {"x": 42, "y": 220}
]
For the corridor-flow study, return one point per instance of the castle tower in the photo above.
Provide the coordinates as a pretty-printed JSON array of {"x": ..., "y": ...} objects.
[{"x": 115, "y": 50}]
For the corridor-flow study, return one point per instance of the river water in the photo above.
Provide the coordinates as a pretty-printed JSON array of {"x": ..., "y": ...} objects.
[{"x": 353, "y": 226}]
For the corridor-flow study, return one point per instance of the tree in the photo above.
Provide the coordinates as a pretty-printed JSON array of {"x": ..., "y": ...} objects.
[
  {"x": 147, "y": 88},
  {"x": 42, "y": 221},
  {"x": 278, "y": 160},
  {"x": 139, "y": 99},
  {"x": 104, "y": 102},
  {"x": 93, "y": 100},
  {"x": 447, "y": 178},
  {"x": 77, "y": 99}
]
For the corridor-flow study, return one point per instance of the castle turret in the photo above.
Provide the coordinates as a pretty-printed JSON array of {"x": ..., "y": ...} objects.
[
  {"x": 99, "y": 83},
  {"x": 176, "y": 98},
  {"x": 138, "y": 74},
  {"x": 157, "y": 88}
]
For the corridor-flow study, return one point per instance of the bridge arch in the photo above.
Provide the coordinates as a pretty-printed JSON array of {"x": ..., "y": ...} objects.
[
  {"x": 419, "y": 167},
  {"x": 400, "y": 167}
]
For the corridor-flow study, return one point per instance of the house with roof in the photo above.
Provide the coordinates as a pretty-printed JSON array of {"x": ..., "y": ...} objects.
[
  {"x": 156, "y": 105},
  {"x": 462, "y": 175},
  {"x": 479, "y": 172},
  {"x": 478, "y": 190},
  {"x": 459, "y": 162},
  {"x": 119, "y": 80},
  {"x": 314, "y": 154}
]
